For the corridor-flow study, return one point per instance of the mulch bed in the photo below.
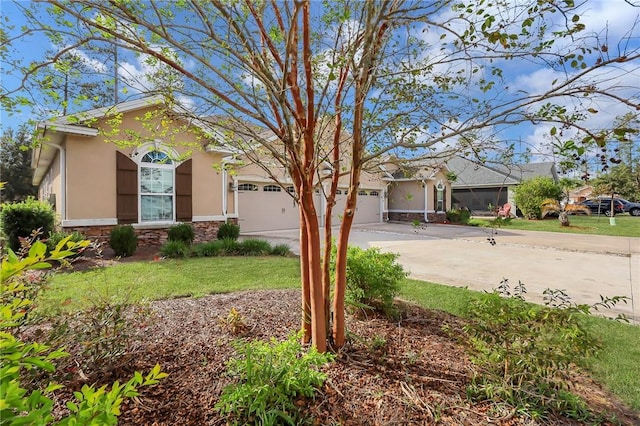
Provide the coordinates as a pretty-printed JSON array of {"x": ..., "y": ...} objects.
[{"x": 418, "y": 375}]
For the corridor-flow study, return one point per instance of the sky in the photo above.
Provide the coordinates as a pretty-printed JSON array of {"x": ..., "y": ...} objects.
[{"x": 613, "y": 19}]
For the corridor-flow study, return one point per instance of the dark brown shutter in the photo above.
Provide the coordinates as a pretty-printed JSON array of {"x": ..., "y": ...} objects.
[
  {"x": 184, "y": 211},
  {"x": 127, "y": 189}
]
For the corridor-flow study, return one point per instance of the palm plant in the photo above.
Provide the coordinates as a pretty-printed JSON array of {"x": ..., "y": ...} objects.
[{"x": 553, "y": 206}]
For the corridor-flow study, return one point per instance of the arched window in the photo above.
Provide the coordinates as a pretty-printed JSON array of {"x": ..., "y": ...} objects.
[
  {"x": 291, "y": 190},
  {"x": 374, "y": 193},
  {"x": 338, "y": 192},
  {"x": 247, "y": 187},
  {"x": 361, "y": 192},
  {"x": 271, "y": 188},
  {"x": 157, "y": 183}
]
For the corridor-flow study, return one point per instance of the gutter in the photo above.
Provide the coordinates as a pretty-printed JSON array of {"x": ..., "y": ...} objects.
[{"x": 426, "y": 216}]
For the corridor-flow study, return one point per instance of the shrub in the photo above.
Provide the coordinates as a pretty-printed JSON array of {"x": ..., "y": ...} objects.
[
  {"x": 530, "y": 194},
  {"x": 19, "y": 220},
  {"x": 211, "y": 248},
  {"x": 254, "y": 247},
  {"x": 181, "y": 232},
  {"x": 123, "y": 240},
  {"x": 280, "y": 250},
  {"x": 175, "y": 249},
  {"x": 228, "y": 230},
  {"x": 21, "y": 360},
  {"x": 373, "y": 278},
  {"x": 458, "y": 215},
  {"x": 273, "y": 377},
  {"x": 234, "y": 322},
  {"x": 525, "y": 351}
]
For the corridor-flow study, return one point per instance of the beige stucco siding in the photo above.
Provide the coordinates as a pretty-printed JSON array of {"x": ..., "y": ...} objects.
[
  {"x": 406, "y": 196},
  {"x": 207, "y": 184},
  {"x": 91, "y": 178},
  {"x": 51, "y": 184}
]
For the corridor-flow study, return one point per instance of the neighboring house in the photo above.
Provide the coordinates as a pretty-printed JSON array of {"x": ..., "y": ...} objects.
[
  {"x": 419, "y": 192},
  {"x": 580, "y": 194},
  {"x": 479, "y": 187},
  {"x": 162, "y": 176},
  {"x": 136, "y": 163}
]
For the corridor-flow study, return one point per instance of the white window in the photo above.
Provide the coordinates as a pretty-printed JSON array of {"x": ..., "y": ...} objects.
[
  {"x": 374, "y": 193},
  {"x": 271, "y": 188},
  {"x": 157, "y": 187},
  {"x": 247, "y": 187},
  {"x": 361, "y": 192}
]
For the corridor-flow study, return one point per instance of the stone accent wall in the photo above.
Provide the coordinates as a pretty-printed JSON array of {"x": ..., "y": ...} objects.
[
  {"x": 152, "y": 235},
  {"x": 410, "y": 217}
]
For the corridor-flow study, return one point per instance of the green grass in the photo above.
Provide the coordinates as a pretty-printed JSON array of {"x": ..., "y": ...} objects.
[
  {"x": 626, "y": 226},
  {"x": 618, "y": 366}
]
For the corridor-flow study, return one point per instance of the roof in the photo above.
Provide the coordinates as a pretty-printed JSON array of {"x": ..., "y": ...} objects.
[{"x": 473, "y": 174}]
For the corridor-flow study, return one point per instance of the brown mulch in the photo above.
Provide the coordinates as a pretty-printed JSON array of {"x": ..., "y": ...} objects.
[{"x": 406, "y": 372}]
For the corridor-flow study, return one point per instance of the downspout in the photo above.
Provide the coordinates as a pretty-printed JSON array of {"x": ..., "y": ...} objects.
[
  {"x": 426, "y": 215},
  {"x": 225, "y": 191}
]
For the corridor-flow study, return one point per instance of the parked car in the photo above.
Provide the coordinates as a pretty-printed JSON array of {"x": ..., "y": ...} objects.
[
  {"x": 603, "y": 206},
  {"x": 630, "y": 207}
]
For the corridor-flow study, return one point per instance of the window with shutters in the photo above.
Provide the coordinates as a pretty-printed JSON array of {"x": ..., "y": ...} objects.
[{"x": 157, "y": 187}]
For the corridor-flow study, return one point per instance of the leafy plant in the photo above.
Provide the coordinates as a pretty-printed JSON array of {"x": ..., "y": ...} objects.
[
  {"x": 234, "y": 322},
  {"x": 123, "y": 240},
  {"x": 211, "y": 248},
  {"x": 56, "y": 237},
  {"x": 181, "y": 232},
  {"x": 272, "y": 378},
  {"x": 254, "y": 247},
  {"x": 19, "y": 220},
  {"x": 373, "y": 278},
  {"x": 551, "y": 206},
  {"x": 230, "y": 246},
  {"x": 525, "y": 352},
  {"x": 19, "y": 359},
  {"x": 530, "y": 194},
  {"x": 280, "y": 250},
  {"x": 175, "y": 249},
  {"x": 228, "y": 230}
]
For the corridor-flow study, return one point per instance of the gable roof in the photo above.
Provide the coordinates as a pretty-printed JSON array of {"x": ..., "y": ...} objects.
[{"x": 472, "y": 174}]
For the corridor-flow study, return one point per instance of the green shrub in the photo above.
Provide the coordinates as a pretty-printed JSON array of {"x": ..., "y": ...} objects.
[
  {"x": 530, "y": 194},
  {"x": 458, "y": 215},
  {"x": 228, "y": 230},
  {"x": 209, "y": 249},
  {"x": 373, "y": 278},
  {"x": 280, "y": 250},
  {"x": 526, "y": 352},
  {"x": 272, "y": 379},
  {"x": 254, "y": 247},
  {"x": 56, "y": 237},
  {"x": 19, "y": 220},
  {"x": 175, "y": 249},
  {"x": 230, "y": 246},
  {"x": 123, "y": 240},
  {"x": 21, "y": 360},
  {"x": 181, "y": 232}
]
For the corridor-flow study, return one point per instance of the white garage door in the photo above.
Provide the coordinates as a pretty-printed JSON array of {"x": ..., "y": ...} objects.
[
  {"x": 367, "y": 207},
  {"x": 265, "y": 207}
]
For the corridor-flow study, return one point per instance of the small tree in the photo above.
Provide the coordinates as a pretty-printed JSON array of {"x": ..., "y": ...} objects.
[
  {"x": 551, "y": 206},
  {"x": 15, "y": 165},
  {"x": 530, "y": 194}
]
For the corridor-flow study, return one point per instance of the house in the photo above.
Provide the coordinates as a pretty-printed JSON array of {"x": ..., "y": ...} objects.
[
  {"x": 137, "y": 163},
  {"x": 418, "y": 192},
  {"x": 481, "y": 187},
  {"x": 133, "y": 164},
  {"x": 580, "y": 194}
]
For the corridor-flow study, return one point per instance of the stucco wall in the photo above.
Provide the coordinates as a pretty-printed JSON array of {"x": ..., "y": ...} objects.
[
  {"x": 51, "y": 184},
  {"x": 406, "y": 196}
]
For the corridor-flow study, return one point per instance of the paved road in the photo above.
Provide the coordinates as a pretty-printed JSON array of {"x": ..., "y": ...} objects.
[{"x": 586, "y": 266}]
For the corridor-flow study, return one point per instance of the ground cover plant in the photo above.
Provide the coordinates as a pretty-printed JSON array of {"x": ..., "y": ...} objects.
[
  {"x": 408, "y": 368},
  {"x": 626, "y": 226}
]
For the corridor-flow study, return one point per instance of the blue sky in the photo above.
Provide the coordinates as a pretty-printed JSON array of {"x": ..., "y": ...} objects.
[{"x": 613, "y": 19}]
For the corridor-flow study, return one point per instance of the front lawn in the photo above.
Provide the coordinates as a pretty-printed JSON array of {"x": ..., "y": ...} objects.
[
  {"x": 618, "y": 366},
  {"x": 626, "y": 226}
]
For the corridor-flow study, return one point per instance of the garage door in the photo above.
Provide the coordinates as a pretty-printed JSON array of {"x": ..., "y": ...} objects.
[
  {"x": 367, "y": 208},
  {"x": 265, "y": 207}
]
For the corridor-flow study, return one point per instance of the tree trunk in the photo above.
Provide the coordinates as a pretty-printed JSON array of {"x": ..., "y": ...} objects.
[
  {"x": 563, "y": 217},
  {"x": 304, "y": 274},
  {"x": 314, "y": 266}
]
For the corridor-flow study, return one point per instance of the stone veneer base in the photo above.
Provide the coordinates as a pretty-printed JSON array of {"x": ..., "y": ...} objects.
[
  {"x": 410, "y": 217},
  {"x": 152, "y": 236}
]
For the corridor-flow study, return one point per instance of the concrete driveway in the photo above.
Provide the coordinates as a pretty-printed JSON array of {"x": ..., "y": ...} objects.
[{"x": 586, "y": 266}]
